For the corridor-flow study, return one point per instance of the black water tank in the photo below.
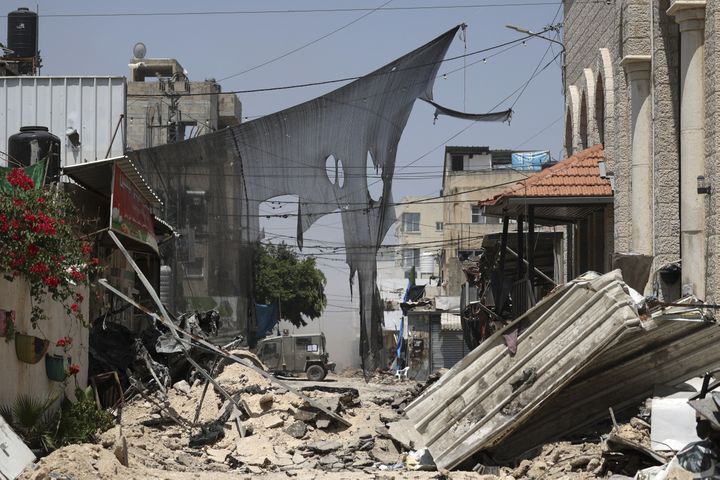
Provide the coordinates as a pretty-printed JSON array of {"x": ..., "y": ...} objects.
[
  {"x": 23, "y": 33},
  {"x": 33, "y": 144}
]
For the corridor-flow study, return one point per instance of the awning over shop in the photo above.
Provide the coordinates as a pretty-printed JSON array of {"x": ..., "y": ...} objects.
[
  {"x": 131, "y": 199},
  {"x": 98, "y": 176},
  {"x": 564, "y": 193}
]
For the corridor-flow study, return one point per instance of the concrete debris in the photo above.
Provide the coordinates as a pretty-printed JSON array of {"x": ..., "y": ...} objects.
[
  {"x": 273, "y": 421},
  {"x": 182, "y": 386},
  {"x": 298, "y": 429},
  {"x": 324, "y": 446}
]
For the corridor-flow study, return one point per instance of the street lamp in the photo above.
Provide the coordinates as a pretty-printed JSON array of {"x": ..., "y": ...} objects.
[{"x": 539, "y": 35}]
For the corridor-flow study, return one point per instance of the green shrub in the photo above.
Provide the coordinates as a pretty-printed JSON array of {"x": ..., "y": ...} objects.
[
  {"x": 42, "y": 428},
  {"x": 80, "y": 420},
  {"x": 33, "y": 420}
]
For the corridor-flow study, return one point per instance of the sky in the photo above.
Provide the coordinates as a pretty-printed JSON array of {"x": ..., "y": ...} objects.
[{"x": 245, "y": 35}]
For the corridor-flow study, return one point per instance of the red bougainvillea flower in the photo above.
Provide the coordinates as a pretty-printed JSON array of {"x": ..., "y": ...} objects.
[
  {"x": 17, "y": 262},
  {"x": 39, "y": 241},
  {"x": 51, "y": 281},
  {"x": 40, "y": 268},
  {"x": 79, "y": 298},
  {"x": 64, "y": 342},
  {"x": 95, "y": 261},
  {"x": 18, "y": 178},
  {"x": 76, "y": 275},
  {"x": 74, "y": 369}
]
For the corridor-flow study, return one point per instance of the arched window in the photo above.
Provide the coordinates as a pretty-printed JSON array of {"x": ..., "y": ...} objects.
[
  {"x": 600, "y": 108},
  {"x": 583, "y": 121},
  {"x": 568, "y": 133}
]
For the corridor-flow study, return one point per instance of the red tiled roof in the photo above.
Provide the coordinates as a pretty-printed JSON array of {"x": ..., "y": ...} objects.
[{"x": 576, "y": 176}]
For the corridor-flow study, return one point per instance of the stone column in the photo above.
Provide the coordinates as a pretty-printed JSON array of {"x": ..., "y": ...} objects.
[
  {"x": 637, "y": 68},
  {"x": 690, "y": 14}
]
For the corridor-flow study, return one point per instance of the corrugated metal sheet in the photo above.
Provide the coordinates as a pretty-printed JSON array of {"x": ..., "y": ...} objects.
[
  {"x": 437, "y": 360},
  {"x": 671, "y": 350},
  {"x": 98, "y": 175},
  {"x": 491, "y": 392},
  {"x": 447, "y": 347},
  {"x": 585, "y": 352},
  {"x": 91, "y": 105}
]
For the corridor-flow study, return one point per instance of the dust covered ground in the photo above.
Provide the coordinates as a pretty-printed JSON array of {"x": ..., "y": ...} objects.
[{"x": 286, "y": 439}]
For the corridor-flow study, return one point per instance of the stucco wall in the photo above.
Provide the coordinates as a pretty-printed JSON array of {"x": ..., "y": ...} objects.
[{"x": 17, "y": 377}]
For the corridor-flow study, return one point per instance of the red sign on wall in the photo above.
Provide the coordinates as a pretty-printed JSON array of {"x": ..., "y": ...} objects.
[{"x": 130, "y": 214}]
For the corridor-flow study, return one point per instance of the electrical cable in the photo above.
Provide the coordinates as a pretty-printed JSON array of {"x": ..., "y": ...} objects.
[
  {"x": 346, "y": 79},
  {"x": 305, "y": 45},
  {"x": 309, "y": 10}
]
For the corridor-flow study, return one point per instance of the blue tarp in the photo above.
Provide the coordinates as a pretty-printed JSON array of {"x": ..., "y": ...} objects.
[
  {"x": 533, "y": 161},
  {"x": 267, "y": 317},
  {"x": 400, "y": 339}
]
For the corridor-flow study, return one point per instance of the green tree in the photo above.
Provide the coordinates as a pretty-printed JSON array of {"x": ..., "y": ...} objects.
[{"x": 299, "y": 286}]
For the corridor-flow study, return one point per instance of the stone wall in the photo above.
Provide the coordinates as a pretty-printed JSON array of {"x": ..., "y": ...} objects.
[
  {"x": 597, "y": 37},
  {"x": 593, "y": 39},
  {"x": 666, "y": 154}
]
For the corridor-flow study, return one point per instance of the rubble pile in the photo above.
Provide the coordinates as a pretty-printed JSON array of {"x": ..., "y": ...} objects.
[
  {"x": 574, "y": 398},
  {"x": 283, "y": 433}
]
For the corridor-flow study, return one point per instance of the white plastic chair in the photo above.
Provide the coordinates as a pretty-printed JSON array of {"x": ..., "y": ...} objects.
[{"x": 402, "y": 373}]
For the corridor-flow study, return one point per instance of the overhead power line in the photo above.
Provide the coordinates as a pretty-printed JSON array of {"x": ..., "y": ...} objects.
[
  {"x": 346, "y": 79},
  {"x": 308, "y": 10},
  {"x": 305, "y": 45}
]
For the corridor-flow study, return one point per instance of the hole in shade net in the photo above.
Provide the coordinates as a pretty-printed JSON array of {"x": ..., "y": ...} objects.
[
  {"x": 331, "y": 169},
  {"x": 374, "y": 179}
]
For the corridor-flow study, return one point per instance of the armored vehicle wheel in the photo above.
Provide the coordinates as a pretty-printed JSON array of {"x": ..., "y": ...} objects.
[{"x": 315, "y": 373}]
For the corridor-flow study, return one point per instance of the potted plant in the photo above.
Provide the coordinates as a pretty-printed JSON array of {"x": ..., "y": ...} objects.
[
  {"x": 57, "y": 366},
  {"x": 30, "y": 349}
]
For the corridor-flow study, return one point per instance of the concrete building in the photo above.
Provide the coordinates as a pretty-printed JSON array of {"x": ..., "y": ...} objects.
[
  {"x": 419, "y": 235},
  {"x": 181, "y": 112},
  {"x": 470, "y": 174},
  {"x": 164, "y": 106},
  {"x": 643, "y": 79}
]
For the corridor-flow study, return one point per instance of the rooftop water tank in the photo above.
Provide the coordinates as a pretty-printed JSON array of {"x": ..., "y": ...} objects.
[
  {"x": 23, "y": 33},
  {"x": 32, "y": 145}
]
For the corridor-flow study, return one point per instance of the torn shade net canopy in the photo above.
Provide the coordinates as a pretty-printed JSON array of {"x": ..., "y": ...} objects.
[{"x": 285, "y": 154}]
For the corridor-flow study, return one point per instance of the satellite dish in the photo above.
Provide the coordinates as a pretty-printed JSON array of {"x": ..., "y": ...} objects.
[{"x": 139, "y": 50}]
